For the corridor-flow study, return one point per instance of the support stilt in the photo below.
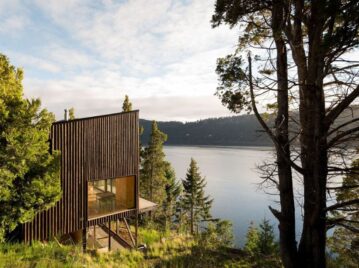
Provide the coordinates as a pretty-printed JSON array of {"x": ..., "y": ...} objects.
[
  {"x": 109, "y": 236},
  {"x": 94, "y": 236},
  {"x": 129, "y": 232},
  {"x": 84, "y": 239}
]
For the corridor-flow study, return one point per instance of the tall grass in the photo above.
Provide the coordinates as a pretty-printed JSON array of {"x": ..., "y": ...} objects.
[{"x": 163, "y": 250}]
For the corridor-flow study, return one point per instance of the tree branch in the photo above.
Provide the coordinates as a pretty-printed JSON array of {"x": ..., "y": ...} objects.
[
  {"x": 263, "y": 124},
  {"x": 342, "y": 135},
  {"x": 337, "y": 110},
  {"x": 276, "y": 213},
  {"x": 343, "y": 204},
  {"x": 342, "y": 125}
]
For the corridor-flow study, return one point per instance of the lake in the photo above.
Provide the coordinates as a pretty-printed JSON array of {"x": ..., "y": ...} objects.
[{"x": 232, "y": 180}]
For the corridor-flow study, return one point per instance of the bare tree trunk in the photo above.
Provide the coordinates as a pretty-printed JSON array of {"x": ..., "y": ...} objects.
[
  {"x": 288, "y": 247},
  {"x": 314, "y": 161},
  {"x": 192, "y": 220},
  {"x": 314, "y": 156},
  {"x": 286, "y": 216}
]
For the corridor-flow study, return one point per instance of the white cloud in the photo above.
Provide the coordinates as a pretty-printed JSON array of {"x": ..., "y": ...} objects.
[
  {"x": 12, "y": 24},
  {"x": 141, "y": 32},
  {"x": 153, "y": 50},
  {"x": 13, "y": 17},
  {"x": 68, "y": 57},
  {"x": 31, "y": 62}
]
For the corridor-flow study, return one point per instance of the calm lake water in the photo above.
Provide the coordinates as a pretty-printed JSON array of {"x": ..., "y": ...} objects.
[{"x": 232, "y": 180}]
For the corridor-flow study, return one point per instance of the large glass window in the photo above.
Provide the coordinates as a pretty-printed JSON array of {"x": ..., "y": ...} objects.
[{"x": 110, "y": 195}]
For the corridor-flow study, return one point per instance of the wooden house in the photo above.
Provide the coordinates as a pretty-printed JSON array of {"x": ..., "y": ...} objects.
[{"x": 99, "y": 181}]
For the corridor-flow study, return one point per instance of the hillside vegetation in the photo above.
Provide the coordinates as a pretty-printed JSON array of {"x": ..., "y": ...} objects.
[
  {"x": 163, "y": 250},
  {"x": 241, "y": 130}
]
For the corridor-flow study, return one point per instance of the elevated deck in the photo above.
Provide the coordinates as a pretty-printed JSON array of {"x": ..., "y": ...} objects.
[{"x": 146, "y": 206}]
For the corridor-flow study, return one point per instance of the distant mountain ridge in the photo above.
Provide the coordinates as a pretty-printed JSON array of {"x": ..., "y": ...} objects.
[
  {"x": 243, "y": 130},
  {"x": 240, "y": 130}
]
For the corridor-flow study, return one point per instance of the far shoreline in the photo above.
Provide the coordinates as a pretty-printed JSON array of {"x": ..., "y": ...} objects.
[{"x": 240, "y": 147}]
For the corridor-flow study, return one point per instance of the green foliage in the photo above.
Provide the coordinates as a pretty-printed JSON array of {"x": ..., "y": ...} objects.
[
  {"x": 29, "y": 174},
  {"x": 261, "y": 241},
  {"x": 234, "y": 130},
  {"x": 152, "y": 183},
  {"x": 173, "y": 190},
  {"x": 72, "y": 113},
  {"x": 217, "y": 234},
  {"x": 127, "y": 105},
  {"x": 196, "y": 206},
  {"x": 252, "y": 240},
  {"x": 233, "y": 84},
  {"x": 344, "y": 244},
  {"x": 261, "y": 246},
  {"x": 149, "y": 236},
  {"x": 39, "y": 255},
  {"x": 163, "y": 250},
  {"x": 266, "y": 243}
]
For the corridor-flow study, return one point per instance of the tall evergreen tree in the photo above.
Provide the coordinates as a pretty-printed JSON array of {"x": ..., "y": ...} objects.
[
  {"x": 127, "y": 105},
  {"x": 261, "y": 241},
  {"x": 29, "y": 174},
  {"x": 252, "y": 240},
  {"x": 152, "y": 184},
  {"x": 345, "y": 240},
  {"x": 195, "y": 203},
  {"x": 266, "y": 241},
  {"x": 306, "y": 63},
  {"x": 173, "y": 189}
]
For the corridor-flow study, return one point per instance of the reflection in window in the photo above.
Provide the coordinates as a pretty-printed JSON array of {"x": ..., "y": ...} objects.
[{"x": 110, "y": 195}]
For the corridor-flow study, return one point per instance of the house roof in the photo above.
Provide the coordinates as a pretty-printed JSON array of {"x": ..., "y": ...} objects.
[
  {"x": 145, "y": 205},
  {"x": 94, "y": 117}
]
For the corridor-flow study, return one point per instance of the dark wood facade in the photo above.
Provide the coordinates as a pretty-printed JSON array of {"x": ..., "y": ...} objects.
[{"x": 101, "y": 147}]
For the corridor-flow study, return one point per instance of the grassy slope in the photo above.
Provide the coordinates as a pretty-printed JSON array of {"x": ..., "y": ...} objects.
[{"x": 163, "y": 251}]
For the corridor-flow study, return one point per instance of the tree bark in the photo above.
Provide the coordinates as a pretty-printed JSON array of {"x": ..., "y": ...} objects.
[
  {"x": 314, "y": 161},
  {"x": 314, "y": 150},
  {"x": 287, "y": 241}
]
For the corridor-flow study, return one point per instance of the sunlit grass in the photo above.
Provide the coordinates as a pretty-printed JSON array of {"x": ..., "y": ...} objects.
[{"x": 163, "y": 250}]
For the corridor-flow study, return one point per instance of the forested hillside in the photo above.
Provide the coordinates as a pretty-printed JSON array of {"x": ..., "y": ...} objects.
[
  {"x": 236, "y": 130},
  {"x": 242, "y": 130}
]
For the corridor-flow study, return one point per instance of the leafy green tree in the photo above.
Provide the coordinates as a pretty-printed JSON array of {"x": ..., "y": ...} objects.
[
  {"x": 29, "y": 173},
  {"x": 153, "y": 180},
  {"x": 173, "y": 190},
  {"x": 127, "y": 105},
  {"x": 72, "y": 113},
  {"x": 195, "y": 203},
  {"x": 252, "y": 240},
  {"x": 345, "y": 240}
]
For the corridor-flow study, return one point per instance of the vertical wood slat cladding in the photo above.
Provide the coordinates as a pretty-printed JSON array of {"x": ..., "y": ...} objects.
[{"x": 93, "y": 148}]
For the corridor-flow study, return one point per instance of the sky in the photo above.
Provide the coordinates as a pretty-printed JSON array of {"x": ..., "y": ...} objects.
[{"x": 89, "y": 54}]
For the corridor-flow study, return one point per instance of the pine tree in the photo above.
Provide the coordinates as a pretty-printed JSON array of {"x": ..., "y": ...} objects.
[
  {"x": 217, "y": 234},
  {"x": 195, "y": 204},
  {"x": 252, "y": 240},
  {"x": 266, "y": 242},
  {"x": 152, "y": 183},
  {"x": 261, "y": 241},
  {"x": 29, "y": 174},
  {"x": 345, "y": 240},
  {"x": 173, "y": 189},
  {"x": 127, "y": 105}
]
